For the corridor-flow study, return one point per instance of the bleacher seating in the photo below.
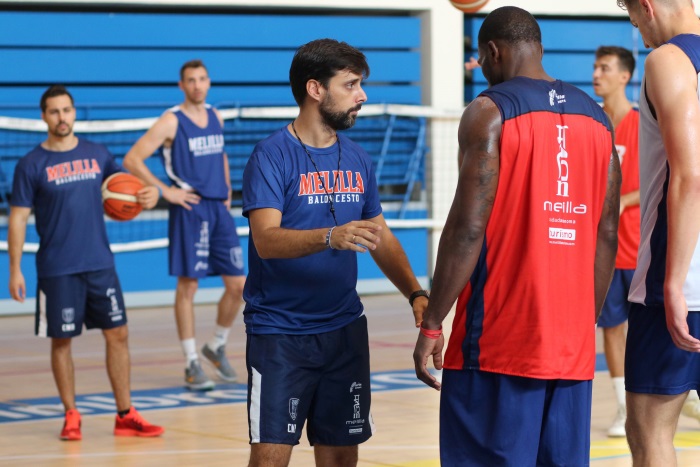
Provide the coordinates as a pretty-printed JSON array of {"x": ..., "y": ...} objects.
[{"x": 397, "y": 146}]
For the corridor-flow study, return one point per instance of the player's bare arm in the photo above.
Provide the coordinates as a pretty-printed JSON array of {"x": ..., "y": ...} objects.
[
  {"x": 606, "y": 242},
  {"x": 16, "y": 234},
  {"x": 460, "y": 245},
  {"x": 393, "y": 262},
  {"x": 161, "y": 133},
  {"x": 672, "y": 88},
  {"x": 227, "y": 172},
  {"x": 273, "y": 241}
]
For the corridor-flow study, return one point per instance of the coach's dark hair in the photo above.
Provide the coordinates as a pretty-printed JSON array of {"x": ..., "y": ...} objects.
[
  {"x": 191, "y": 64},
  {"x": 321, "y": 60},
  {"x": 624, "y": 56},
  {"x": 54, "y": 91},
  {"x": 510, "y": 24}
]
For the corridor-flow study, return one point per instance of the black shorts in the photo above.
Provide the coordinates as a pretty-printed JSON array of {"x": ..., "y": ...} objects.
[
  {"x": 322, "y": 379},
  {"x": 65, "y": 303}
]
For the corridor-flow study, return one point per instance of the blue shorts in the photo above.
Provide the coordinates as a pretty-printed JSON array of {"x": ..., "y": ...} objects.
[
  {"x": 492, "y": 419},
  {"x": 616, "y": 307},
  {"x": 203, "y": 241},
  {"x": 322, "y": 379},
  {"x": 65, "y": 303},
  {"x": 653, "y": 363}
]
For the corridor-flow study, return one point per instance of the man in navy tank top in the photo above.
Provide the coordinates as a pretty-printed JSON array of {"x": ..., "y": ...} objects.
[
  {"x": 77, "y": 284},
  {"x": 311, "y": 198},
  {"x": 662, "y": 361},
  {"x": 202, "y": 233}
]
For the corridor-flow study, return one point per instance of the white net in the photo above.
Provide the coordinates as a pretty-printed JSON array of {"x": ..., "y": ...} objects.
[{"x": 413, "y": 149}]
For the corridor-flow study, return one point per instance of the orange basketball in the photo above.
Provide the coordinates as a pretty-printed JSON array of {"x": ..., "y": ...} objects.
[
  {"x": 119, "y": 196},
  {"x": 469, "y": 6}
]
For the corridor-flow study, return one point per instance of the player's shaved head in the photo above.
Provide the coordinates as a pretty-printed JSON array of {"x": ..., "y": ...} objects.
[{"x": 511, "y": 25}]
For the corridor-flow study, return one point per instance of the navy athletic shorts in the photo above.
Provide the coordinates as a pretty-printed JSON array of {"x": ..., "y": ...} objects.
[
  {"x": 203, "y": 241},
  {"x": 322, "y": 379},
  {"x": 493, "y": 419},
  {"x": 616, "y": 307},
  {"x": 65, "y": 303},
  {"x": 653, "y": 363}
]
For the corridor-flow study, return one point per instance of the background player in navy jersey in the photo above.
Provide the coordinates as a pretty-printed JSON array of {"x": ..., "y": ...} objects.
[
  {"x": 665, "y": 290},
  {"x": 528, "y": 252},
  {"x": 312, "y": 201},
  {"x": 202, "y": 233},
  {"x": 77, "y": 283}
]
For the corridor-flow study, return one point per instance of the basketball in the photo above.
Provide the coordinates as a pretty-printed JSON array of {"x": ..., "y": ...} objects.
[
  {"x": 469, "y": 6},
  {"x": 119, "y": 196}
]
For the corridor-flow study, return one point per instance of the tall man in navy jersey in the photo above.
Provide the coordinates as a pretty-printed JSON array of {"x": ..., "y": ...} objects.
[
  {"x": 77, "y": 283},
  {"x": 662, "y": 360},
  {"x": 203, "y": 240},
  {"x": 311, "y": 198}
]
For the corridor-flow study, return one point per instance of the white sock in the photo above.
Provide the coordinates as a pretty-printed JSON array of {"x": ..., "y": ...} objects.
[
  {"x": 619, "y": 385},
  {"x": 189, "y": 348},
  {"x": 219, "y": 338}
]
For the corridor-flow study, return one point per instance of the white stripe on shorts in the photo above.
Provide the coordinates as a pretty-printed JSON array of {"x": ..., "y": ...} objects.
[
  {"x": 43, "y": 323},
  {"x": 254, "y": 412}
]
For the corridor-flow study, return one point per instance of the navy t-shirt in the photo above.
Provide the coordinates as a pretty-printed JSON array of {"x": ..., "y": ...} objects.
[
  {"x": 316, "y": 293},
  {"x": 65, "y": 190}
]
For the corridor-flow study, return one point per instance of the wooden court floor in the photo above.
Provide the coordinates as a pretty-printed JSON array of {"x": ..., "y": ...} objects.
[{"x": 216, "y": 435}]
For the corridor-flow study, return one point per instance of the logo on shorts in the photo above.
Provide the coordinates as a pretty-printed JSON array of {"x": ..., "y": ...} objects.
[
  {"x": 291, "y": 427},
  {"x": 114, "y": 304},
  {"x": 293, "y": 405},
  {"x": 202, "y": 246},
  {"x": 68, "y": 315},
  {"x": 354, "y": 386},
  {"x": 237, "y": 257},
  {"x": 356, "y": 407},
  {"x": 201, "y": 265}
]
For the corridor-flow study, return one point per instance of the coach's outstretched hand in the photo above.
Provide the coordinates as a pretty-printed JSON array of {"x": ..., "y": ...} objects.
[
  {"x": 425, "y": 347},
  {"x": 356, "y": 236}
]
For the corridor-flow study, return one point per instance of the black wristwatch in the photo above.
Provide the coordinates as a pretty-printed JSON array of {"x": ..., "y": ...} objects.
[{"x": 416, "y": 294}]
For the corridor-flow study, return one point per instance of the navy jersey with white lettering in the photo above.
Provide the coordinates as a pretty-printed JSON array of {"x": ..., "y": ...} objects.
[
  {"x": 647, "y": 285},
  {"x": 65, "y": 190},
  {"x": 315, "y": 293},
  {"x": 195, "y": 159}
]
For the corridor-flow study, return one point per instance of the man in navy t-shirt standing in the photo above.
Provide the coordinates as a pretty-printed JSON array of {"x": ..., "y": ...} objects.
[
  {"x": 311, "y": 198},
  {"x": 202, "y": 234},
  {"x": 77, "y": 283}
]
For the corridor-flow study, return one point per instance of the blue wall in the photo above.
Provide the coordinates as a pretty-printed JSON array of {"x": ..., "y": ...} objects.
[
  {"x": 569, "y": 50},
  {"x": 114, "y": 62}
]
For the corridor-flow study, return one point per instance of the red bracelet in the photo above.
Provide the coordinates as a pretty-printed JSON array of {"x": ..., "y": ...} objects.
[{"x": 431, "y": 333}]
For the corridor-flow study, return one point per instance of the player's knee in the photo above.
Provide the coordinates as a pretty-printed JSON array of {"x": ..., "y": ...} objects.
[
  {"x": 187, "y": 287},
  {"x": 234, "y": 287},
  {"x": 117, "y": 336}
]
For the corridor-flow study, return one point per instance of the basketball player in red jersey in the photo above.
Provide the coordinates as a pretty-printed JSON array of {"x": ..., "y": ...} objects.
[
  {"x": 529, "y": 248},
  {"x": 612, "y": 71}
]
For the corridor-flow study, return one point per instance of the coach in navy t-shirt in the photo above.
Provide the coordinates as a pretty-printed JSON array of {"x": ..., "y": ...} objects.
[
  {"x": 311, "y": 198},
  {"x": 77, "y": 283}
]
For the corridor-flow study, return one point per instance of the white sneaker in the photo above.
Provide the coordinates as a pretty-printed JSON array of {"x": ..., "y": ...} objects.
[
  {"x": 617, "y": 429},
  {"x": 691, "y": 408}
]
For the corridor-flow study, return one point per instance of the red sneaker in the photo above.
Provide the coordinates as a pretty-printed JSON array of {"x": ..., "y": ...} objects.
[
  {"x": 71, "y": 426},
  {"x": 132, "y": 424}
]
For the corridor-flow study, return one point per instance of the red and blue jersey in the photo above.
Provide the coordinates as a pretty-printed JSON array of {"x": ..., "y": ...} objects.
[
  {"x": 529, "y": 306},
  {"x": 64, "y": 188},
  {"x": 195, "y": 160},
  {"x": 315, "y": 293},
  {"x": 627, "y": 144}
]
